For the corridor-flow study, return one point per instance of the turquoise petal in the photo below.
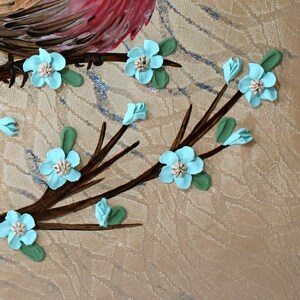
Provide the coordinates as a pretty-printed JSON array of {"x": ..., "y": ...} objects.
[
  {"x": 37, "y": 80},
  {"x": 156, "y": 61},
  {"x": 195, "y": 166},
  {"x": 256, "y": 71},
  {"x": 28, "y": 220},
  {"x": 248, "y": 95},
  {"x": 102, "y": 212},
  {"x": 165, "y": 175},
  {"x": 32, "y": 63},
  {"x": 73, "y": 158},
  {"x": 73, "y": 176},
  {"x": 55, "y": 181},
  {"x": 54, "y": 81},
  {"x": 268, "y": 80},
  {"x": 184, "y": 182},
  {"x": 185, "y": 154},
  {"x": 269, "y": 94},
  {"x": 255, "y": 101},
  {"x": 46, "y": 168},
  {"x": 169, "y": 158},
  {"x": 44, "y": 56},
  {"x": 8, "y": 130},
  {"x": 13, "y": 216},
  {"x": 55, "y": 155},
  {"x": 136, "y": 53},
  {"x": 14, "y": 242},
  {"x": 58, "y": 61},
  {"x": 144, "y": 77},
  {"x": 7, "y": 120},
  {"x": 240, "y": 137},
  {"x": 129, "y": 68},
  {"x": 5, "y": 229},
  {"x": 150, "y": 48},
  {"x": 244, "y": 84},
  {"x": 29, "y": 237}
]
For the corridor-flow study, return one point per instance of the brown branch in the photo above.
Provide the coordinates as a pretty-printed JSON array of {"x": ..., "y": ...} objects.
[
  {"x": 212, "y": 152},
  {"x": 82, "y": 227}
]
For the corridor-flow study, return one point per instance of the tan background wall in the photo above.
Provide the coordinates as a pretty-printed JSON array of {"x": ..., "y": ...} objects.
[{"x": 240, "y": 240}]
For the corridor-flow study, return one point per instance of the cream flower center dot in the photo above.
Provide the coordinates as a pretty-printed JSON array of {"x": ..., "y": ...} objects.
[
  {"x": 62, "y": 168},
  {"x": 256, "y": 87},
  {"x": 18, "y": 228},
  {"x": 142, "y": 63},
  {"x": 45, "y": 70},
  {"x": 179, "y": 169}
]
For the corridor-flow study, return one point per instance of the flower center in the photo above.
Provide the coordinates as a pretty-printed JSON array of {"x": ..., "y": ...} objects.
[
  {"x": 179, "y": 169},
  {"x": 142, "y": 63},
  {"x": 45, "y": 69},
  {"x": 62, "y": 168},
  {"x": 256, "y": 87},
  {"x": 18, "y": 228}
]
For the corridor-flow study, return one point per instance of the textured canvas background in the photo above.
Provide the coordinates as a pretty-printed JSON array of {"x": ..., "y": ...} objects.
[{"x": 240, "y": 240}]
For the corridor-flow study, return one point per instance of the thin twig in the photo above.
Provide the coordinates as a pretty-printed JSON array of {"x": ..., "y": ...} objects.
[{"x": 212, "y": 152}]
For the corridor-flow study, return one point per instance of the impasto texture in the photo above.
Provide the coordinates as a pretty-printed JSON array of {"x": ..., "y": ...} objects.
[{"x": 239, "y": 240}]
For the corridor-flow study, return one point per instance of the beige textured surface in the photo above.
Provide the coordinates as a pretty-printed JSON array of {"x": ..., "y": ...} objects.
[{"x": 240, "y": 240}]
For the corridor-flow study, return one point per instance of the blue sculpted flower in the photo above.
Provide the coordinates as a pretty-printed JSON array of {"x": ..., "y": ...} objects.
[
  {"x": 258, "y": 85},
  {"x": 60, "y": 168},
  {"x": 180, "y": 166},
  {"x": 18, "y": 229},
  {"x": 136, "y": 111},
  {"x": 45, "y": 67},
  {"x": 240, "y": 137},
  {"x": 8, "y": 126},
  {"x": 102, "y": 212},
  {"x": 231, "y": 69},
  {"x": 142, "y": 61}
]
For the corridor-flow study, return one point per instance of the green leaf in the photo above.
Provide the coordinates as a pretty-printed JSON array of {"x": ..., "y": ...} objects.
[
  {"x": 271, "y": 60},
  {"x": 68, "y": 139},
  {"x": 117, "y": 215},
  {"x": 34, "y": 252},
  {"x": 160, "y": 78},
  {"x": 224, "y": 129},
  {"x": 202, "y": 181},
  {"x": 167, "y": 47},
  {"x": 72, "y": 78}
]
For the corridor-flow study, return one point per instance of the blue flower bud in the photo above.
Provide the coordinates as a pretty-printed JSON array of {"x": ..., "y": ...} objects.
[
  {"x": 136, "y": 111},
  {"x": 8, "y": 126},
  {"x": 240, "y": 137},
  {"x": 231, "y": 69},
  {"x": 102, "y": 212}
]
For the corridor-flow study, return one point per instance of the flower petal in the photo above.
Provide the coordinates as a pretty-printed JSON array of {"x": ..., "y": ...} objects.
[
  {"x": 32, "y": 63},
  {"x": 37, "y": 80},
  {"x": 268, "y": 80},
  {"x": 185, "y": 154},
  {"x": 184, "y": 182},
  {"x": 46, "y": 168},
  {"x": 269, "y": 94},
  {"x": 54, "y": 81},
  {"x": 44, "y": 56},
  {"x": 244, "y": 84},
  {"x": 55, "y": 155},
  {"x": 73, "y": 158},
  {"x": 144, "y": 77},
  {"x": 136, "y": 52},
  {"x": 7, "y": 121},
  {"x": 156, "y": 61},
  {"x": 14, "y": 242},
  {"x": 165, "y": 175},
  {"x": 150, "y": 48},
  {"x": 169, "y": 158},
  {"x": 256, "y": 71},
  {"x": 73, "y": 176},
  {"x": 255, "y": 100},
  {"x": 129, "y": 67},
  {"x": 102, "y": 212},
  {"x": 13, "y": 216},
  {"x": 195, "y": 166},
  {"x": 28, "y": 221},
  {"x": 5, "y": 229},
  {"x": 29, "y": 237},
  {"x": 56, "y": 181},
  {"x": 58, "y": 61}
]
